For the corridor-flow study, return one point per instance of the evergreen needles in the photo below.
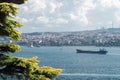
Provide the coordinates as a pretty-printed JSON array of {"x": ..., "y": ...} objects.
[{"x": 21, "y": 68}]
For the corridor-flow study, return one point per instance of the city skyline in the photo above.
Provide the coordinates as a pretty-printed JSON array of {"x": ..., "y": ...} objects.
[{"x": 72, "y": 15}]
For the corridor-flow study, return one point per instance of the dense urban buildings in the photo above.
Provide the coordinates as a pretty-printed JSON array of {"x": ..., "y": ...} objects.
[{"x": 109, "y": 37}]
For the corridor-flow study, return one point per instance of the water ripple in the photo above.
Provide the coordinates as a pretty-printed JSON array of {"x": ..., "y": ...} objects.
[{"x": 88, "y": 74}]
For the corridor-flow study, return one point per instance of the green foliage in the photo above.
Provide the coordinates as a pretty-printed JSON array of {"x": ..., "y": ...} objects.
[
  {"x": 8, "y": 22},
  {"x": 27, "y": 68},
  {"x": 22, "y": 68},
  {"x": 13, "y": 1},
  {"x": 11, "y": 32},
  {"x": 9, "y": 48},
  {"x": 8, "y": 8}
]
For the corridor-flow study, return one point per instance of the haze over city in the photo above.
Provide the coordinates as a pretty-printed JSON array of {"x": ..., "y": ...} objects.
[{"x": 69, "y": 15}]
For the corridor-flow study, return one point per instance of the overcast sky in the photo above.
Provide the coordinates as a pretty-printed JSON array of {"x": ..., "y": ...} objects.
[{"x": 69, "y": 15}]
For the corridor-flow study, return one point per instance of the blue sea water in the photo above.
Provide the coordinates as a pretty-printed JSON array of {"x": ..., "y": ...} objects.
[{"x": 78, "y": 66}]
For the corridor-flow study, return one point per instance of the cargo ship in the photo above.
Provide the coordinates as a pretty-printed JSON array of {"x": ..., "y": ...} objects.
[{"x": 101, "y": 51}]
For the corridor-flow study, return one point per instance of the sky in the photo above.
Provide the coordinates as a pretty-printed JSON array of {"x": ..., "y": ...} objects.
[{"x": 68, "y": 15}]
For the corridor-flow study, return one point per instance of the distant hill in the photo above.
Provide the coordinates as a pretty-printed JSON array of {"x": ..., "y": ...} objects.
[{"x": 108, "y": 30}]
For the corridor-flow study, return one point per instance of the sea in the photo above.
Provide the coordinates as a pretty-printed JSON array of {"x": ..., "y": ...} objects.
[{"x": 77, "y": 66}]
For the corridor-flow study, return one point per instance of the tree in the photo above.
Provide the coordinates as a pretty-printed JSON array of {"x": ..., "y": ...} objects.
[{"x": 11, "y": 66}]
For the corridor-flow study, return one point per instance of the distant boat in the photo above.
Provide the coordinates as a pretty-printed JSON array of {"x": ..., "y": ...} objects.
[
  {"x": 31, "y": 45},
  {"x": 101, "y": 51}
]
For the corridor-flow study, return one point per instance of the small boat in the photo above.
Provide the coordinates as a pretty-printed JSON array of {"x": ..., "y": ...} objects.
[{"x": 101, "y": 51}]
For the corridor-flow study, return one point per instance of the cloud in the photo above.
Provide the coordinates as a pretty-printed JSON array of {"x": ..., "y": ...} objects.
[
  {"x": 117, "y": 16},
  {"x": 23, "y": 20},
  {"x": 106, "y": 3},
  {"x": 73, "y": 17},
  {"x": 60, "y": 21},
  {"x": 117, "y": 3},
  {"x": 109, "y": 3},
  {"x": 81, "y": 11},
  {"x": 54, "y": 5},
  {"x": 42, "y": 19},
  {"x": 25, "y": 8},
  {"x": 41, "y": 6},
  {"x": 73, "y": 14},
  {"x": 37, "y": 5}
]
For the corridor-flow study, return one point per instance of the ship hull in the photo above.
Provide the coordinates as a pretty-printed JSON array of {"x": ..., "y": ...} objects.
[{"x": 91, "y": 52}]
